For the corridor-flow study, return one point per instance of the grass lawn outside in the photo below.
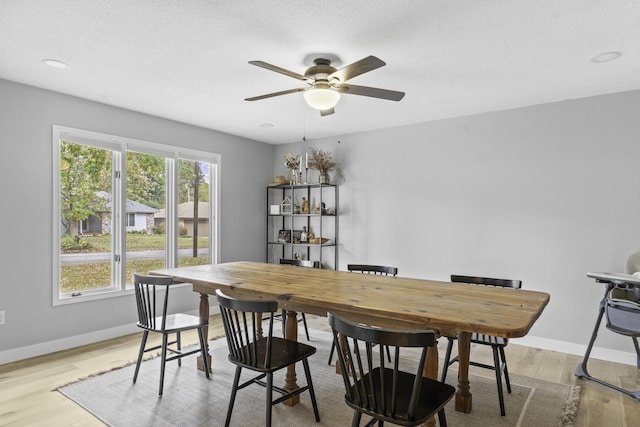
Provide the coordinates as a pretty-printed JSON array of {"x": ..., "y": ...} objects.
[
  {"x": 136, "y": 242},
  {"x": 85, "y": 276}
]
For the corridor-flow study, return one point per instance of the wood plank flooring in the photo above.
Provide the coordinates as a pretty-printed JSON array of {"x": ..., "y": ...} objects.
[{"x": 28, "y": 396}]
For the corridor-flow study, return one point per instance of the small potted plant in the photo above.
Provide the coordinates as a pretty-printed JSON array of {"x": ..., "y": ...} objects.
[{"x": 322, "y": 162}]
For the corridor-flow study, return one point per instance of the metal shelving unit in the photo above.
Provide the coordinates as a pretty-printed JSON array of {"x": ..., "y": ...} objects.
[{"x": 284, "y": 229}]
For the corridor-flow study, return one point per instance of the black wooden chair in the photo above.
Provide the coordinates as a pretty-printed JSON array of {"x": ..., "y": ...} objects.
[
  {"x": 388, "y": 393},
  {"x": 266, "y": 355},
  {"x": 298, "y": 263},
  {"x": 497, "y": 344},
  {"x": 373, "y": 269},
  {"x": 379, "y": 270},
  {"x": 153, "y": 317}
]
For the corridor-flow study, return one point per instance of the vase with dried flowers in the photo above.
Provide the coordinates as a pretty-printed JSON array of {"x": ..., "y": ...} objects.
[
  {"x": 292, "y": 162},
  {"x": 322, "y": 162}
]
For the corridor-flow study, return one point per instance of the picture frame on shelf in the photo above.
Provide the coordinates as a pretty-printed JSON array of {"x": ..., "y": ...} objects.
[{"x": 284, "y": 236}]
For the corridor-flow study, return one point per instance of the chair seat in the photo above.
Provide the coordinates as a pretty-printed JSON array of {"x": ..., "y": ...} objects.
[
  {"x": 175, "y": 322},
  {"x": 622, "y": 310},
  {"x": 489, "y": 340},
  {"x": 283, "y": 353},
  {"x": 433, "y": 396}
]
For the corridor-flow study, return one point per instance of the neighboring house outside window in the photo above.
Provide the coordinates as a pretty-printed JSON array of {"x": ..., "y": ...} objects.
[
  {"x": 187, "y": 218},
  {"x": 139, "y": 218}
]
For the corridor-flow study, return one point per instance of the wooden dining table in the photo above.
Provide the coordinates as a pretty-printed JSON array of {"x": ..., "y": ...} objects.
[{"x": 450, "y": 309}]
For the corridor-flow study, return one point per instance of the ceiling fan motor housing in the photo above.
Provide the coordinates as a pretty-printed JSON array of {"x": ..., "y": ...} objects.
[{"x": 320, "y": 72}]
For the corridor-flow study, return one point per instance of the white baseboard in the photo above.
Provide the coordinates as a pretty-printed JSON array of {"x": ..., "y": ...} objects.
[
  {"x": 609, "y": 355},
  {"x": 47, "y": 347}
]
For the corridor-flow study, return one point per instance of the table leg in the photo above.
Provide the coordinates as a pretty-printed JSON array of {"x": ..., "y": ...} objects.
[
  {"x": 342, "y": 344},
  {"x": 204, "y": 315},
  {"x": 463, "y": 395},
  {"x": 291, "y": 333},
  {"x": 259, "y": 330}
]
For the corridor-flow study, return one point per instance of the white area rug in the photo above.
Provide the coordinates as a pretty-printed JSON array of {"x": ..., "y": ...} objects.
[{"x": 191, "y": 400}]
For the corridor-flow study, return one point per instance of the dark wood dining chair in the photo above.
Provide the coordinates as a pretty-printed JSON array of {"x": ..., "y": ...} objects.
[
  {"x": 388, "y": 393},
  {"x": 265, "y": 355},
  {"x": 379, "y": 270},
  {"x": 153, "y": 317},
  {"x": 497, "y": 344},
  {"x": 373, "y": 269},
  {"x": 298, "y": 263}
]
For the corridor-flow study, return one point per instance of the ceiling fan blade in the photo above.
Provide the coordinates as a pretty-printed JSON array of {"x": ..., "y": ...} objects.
[
  {"x": 278, "y": 70},
  {"x": 373, "y": 92},
  {"x": 270, "y": 95},
  {"x": 327, "y": 112},
  {"x": 360, "y": 67}
]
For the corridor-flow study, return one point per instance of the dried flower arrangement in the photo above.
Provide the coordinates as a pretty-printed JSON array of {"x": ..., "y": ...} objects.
[
  {"x": 321, "y": 161},
  {"x": 291, "y": 161}
]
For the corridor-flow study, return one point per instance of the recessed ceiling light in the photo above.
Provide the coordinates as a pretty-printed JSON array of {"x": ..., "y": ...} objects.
[
  {"x": 606, "y": 57},
  {"x": 266, "y": 125},
  {"x": 55, "y": 63}
]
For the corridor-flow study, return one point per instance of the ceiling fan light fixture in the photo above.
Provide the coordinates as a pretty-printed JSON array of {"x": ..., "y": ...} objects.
[{"x": 321, "y": 99}]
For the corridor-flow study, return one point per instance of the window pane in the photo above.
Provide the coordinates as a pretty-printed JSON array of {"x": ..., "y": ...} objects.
[
  {"x": 145, "y": 231},
  {"x": 194, "y": 214},
  {"x": 110, "y": 198},
  {"x": 85, "y": 217}
]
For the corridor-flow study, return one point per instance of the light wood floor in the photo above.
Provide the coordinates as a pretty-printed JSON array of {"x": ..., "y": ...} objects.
[{"x": 28, "y": 396}]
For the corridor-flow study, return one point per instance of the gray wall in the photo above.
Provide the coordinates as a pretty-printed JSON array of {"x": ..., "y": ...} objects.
[
  {"x": 543, "y": 194},
  {"x": 25, "y": 218}
]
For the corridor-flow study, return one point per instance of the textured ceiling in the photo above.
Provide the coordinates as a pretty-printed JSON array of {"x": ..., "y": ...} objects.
[{"x": 187, "y": 60}]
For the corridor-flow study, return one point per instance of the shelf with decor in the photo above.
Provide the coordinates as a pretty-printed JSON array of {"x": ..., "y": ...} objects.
[{"x": 302, "y": 223}]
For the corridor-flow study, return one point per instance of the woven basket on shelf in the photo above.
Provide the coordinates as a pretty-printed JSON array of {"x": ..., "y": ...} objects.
[{"x": 318, "y": 241}]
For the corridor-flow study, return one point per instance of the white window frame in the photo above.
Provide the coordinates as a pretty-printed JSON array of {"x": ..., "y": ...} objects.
[{"x": 120, "y": 145}]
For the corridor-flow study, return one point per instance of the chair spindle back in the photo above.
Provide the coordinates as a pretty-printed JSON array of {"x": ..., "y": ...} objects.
[
  {"x": 149, "y": 310},
  {"x": 242, "y": 321},
  {"x": 369, "y": 383},
  {"x": 373, "y": 269},
  {"x": 487, "y": 281}
]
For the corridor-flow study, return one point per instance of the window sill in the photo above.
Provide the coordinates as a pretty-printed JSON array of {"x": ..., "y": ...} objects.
[{"x": 95, "y": 295}]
